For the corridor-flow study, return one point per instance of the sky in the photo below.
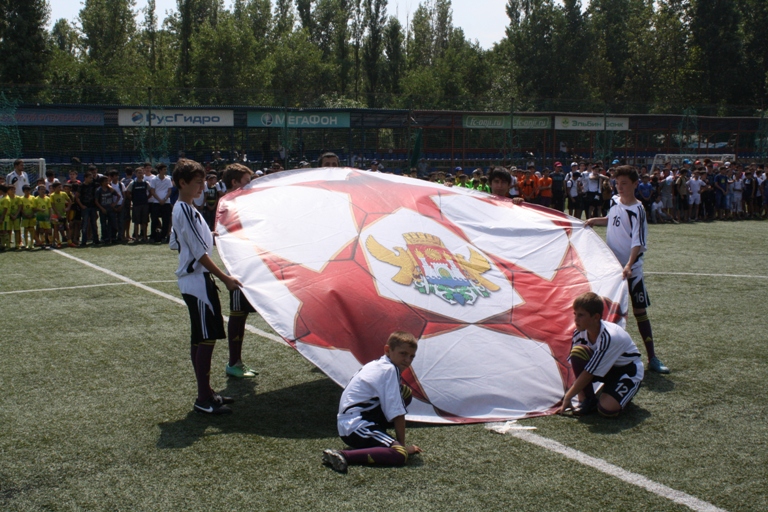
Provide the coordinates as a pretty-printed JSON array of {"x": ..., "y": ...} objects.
[{"x": 482, "y": 20}]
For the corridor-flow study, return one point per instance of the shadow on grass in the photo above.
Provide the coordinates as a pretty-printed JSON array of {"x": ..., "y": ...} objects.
[
  {"x": 658, "y": 383},
  {"x": 303, "y": 411},
  {"x": 631, "y": 417}
]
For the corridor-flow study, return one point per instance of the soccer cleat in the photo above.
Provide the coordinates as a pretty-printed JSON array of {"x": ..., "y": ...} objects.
[
  {"x": 241, "y": 371},
  {"x": 336, "y": 460},
  {"x": 587, "y": 407},
  {"x": 655, "y": 365},
  {"x": 212, "y": 407},
  {"x": 222, "y": 400}
]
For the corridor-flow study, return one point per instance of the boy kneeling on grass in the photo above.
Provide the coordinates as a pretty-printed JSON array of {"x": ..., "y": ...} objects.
[
  {"x": 604, "y": 352},
  {"x": 194, "y": 241},
  {"x": 372, "y": 401}
]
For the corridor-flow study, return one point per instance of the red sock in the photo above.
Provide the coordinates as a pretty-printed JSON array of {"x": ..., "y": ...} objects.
[
  {"x": 203, "y": 371},
  {"x": 235, "y": 333},
  {"x": 644, "y": 326},
  {"x": 380, "y": 456}
]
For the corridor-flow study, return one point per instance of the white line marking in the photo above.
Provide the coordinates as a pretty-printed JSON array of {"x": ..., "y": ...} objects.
[
  {"x": 703, "y": 275},
  {"x": 77, "y": 287},
  {"x": 177, "y": 300},
  {"x": 615, "y": 471}
]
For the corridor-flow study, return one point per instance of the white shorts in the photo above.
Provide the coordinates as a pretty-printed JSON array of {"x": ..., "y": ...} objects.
[{"x": 694, "y": 199}]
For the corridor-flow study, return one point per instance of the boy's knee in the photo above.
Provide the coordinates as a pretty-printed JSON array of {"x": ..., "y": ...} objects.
[
  {"x": 608, "y": 407},
  {"x": 581, "y": 352}
]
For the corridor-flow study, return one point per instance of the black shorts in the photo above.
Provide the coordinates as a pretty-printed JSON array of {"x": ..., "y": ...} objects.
[
  {"x": 372, "y": 436},
  {"x": 622, "y": 382},
  {"x": 238, "y": 303},
  {"x": 140, "y": 213},
  {"x": 637, "y": 292},
  {"x": 207, "y": 324}
]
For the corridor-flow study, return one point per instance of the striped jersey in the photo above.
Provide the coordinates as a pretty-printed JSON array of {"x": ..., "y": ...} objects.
[
  {"x": 372, "y": 397},
  {"x": 627, "y": 228},
  {"x": 613, "y": 347}
]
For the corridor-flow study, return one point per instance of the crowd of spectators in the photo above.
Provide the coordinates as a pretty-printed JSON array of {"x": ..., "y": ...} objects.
[{"x": 136, "y": 208}]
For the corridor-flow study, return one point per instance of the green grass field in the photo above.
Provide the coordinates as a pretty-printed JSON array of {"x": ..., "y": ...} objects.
[{"x": 98, "y": 390}]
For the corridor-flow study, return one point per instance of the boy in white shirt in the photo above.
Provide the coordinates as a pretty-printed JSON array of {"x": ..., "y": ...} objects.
[{"x": 627, "y": 235}]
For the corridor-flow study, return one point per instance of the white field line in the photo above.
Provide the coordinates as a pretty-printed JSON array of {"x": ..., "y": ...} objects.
[
  {"x": 615, "y": 471},
  {"x": 599, "y": 464},
  {"x": 149, "y": 289},
  {"x": 695, "y": 274},
  {"x": 77, "y": 287}
]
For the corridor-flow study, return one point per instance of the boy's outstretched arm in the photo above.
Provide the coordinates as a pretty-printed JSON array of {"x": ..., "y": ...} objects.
[
  {"x": 596, "y": 221},
  {"x": 399, "y": 422}
]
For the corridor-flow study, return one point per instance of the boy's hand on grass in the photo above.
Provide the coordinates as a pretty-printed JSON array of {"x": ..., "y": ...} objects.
[{"x": 412, "y": 449}]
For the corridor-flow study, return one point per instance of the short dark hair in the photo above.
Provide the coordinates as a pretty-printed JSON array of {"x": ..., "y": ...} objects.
[
  {"x": 113, "y": 172},
  {"x": 93, "y": 168},
  {"x": 18, "y": 161},
  {"x": 186, "y": 170},
  {"x": 161, "y": 165},
  {"x": 234, "y": 172},
  {"x": 328, "y": 154},
  {"x": 400, "y": 338},
  {"x": 500, "y": 173},
  {"x": 590, "y": 302},
  {"x": 628, "y": 171},
  {"x": 129, "y": 170}
]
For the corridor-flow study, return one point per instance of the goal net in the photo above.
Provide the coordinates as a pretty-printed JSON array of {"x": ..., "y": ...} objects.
[
  {"x": 677, "y": 159},
  {"x": 34, "y": 167}
]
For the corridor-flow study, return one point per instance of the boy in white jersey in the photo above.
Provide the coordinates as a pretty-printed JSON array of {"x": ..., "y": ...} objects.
[
  {"x": 372, "y": 401},
  {"x": 235, "y": 177},
  {"x": 604, "y": 352},
  {"x": 192, "y": 238},
  {"x": 626, "y": 236}
]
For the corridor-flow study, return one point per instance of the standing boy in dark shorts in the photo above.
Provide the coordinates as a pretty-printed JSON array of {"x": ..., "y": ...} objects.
[
  {"x": 604, "y": 352},
  {"x": 372, "y": 401},
  {"x": 627, "y": 236},
  {"x": 237, "y": 176},
  {"x": 194, "y": 241}
]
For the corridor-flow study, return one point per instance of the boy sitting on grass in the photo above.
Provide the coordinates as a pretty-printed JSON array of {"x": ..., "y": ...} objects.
[
  {"x": 194, "y": 241},
  {"x": 372, "y": 401},
  {"x": 604, "y": 352},
  {"x": 627, "y": 236}
]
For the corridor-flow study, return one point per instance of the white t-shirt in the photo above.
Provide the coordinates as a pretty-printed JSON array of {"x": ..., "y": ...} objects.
[
  {"x": 192, "y": 238},
  {"x": 18, "y": 180},
  {"x": 162, "y": 188},
  {"x": 627, "y": 228},
  {"x": 694, "y": 186},
  {"x": 376, "y": 385},
  {"x": 657, "y": 206},
  {"x": 120, "y": 189},
  {"x": 613, "y": 347}
]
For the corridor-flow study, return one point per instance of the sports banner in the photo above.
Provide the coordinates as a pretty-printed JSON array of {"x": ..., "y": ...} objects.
[
  {"x": 320, "y": 119},
  {"x": 591, "y": 123},
  {"x": 337, "y": 259},
  {"x": 176, "y": 117},
  {"x": 53, "y": 117},
  {"x": 500, "y": 122}
]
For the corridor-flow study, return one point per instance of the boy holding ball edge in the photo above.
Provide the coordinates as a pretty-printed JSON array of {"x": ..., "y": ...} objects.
[
  {"x": 194, "y": 241},
  {"x": 603, "y": 352},
  {"x": 627, "y": 235},
  {"x": 372, "y": 401}
]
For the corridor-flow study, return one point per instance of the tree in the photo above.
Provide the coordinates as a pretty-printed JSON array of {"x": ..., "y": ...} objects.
[
  {"x": 376, "y": 18},
  {"x": 23, "y": 44},
  {"x": 718, "y": 49},
  {"x": 395, "y": 55}
]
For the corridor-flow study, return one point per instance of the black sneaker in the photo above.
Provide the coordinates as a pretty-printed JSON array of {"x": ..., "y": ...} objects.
[
  {"x": 212, "y": 407},
  {"x": 222, "y": 400},
  {"x": 586, "y": 408}
]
